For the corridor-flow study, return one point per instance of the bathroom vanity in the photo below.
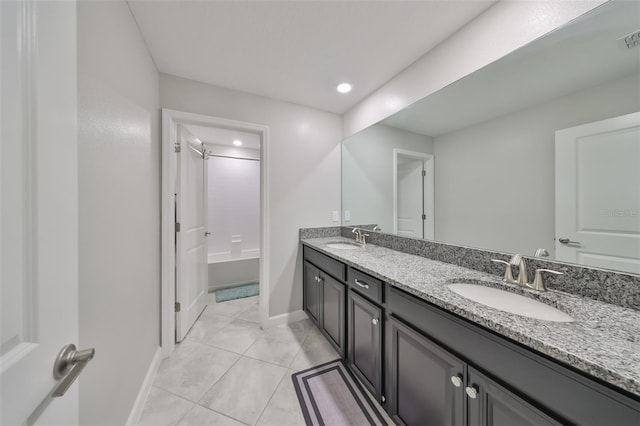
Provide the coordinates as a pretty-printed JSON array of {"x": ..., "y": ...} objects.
[{"x": 431, "y": 356}]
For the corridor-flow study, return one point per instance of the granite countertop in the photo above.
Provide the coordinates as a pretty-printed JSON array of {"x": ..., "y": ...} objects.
[{"x": 603, "y": 341}]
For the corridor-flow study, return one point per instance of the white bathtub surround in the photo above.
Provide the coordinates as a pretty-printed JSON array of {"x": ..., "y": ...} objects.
[{"x": 233, "y": 208}]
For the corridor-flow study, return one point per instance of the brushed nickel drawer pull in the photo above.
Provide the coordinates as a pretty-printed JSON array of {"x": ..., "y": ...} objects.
[{"x": 362, "y": 284}]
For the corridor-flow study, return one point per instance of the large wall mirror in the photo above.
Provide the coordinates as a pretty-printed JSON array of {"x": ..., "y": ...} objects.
[{"x": 538, "y": 150}]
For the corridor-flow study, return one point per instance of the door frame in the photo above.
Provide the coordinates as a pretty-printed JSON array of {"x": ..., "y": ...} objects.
[
  {"x": 170, "y": 121},
  {"x": 428, "y": 190}
]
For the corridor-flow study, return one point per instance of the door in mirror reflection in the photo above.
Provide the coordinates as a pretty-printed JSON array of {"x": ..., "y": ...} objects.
[
  {"x": 413, "y": 194},
  {"x": 598, "y": 194}
]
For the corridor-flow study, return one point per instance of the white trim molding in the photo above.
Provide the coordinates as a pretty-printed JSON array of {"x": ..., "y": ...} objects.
[
  {"x": 170, "y": 121},
  {"x": 145, "y": 389}
]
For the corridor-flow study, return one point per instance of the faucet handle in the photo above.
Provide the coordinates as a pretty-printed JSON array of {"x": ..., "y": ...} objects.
[
  {"x": 538, "y": 283},
  {"x": 508, "y": 274}
]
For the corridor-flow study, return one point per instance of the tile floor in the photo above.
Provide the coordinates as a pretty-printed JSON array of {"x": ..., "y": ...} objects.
[{"x": 230, "y": 372}]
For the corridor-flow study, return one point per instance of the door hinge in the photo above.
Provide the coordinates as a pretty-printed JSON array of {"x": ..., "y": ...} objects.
[
  {"x": 177, "y": 307},
  {"x": 424, "y": 173},
  {"x": 424, "y": 217},
  {"x": 176, "y": 147},
  {"x": 177, "y": 226}
]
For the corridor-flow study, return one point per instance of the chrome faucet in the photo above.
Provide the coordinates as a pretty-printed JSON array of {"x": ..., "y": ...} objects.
[
  {"x": 516, "y": 260},
  {"x": 360, "y": 237},
  {"x": 523, "y": 276}
]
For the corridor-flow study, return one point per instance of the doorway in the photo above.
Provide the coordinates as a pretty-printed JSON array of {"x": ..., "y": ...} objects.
[
  {"x": 172, "y": 122},
  {"x": 413, "y": 190}
]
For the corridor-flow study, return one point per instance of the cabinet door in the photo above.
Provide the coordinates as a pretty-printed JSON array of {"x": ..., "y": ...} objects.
[
  {"x": 420, "y": 379},
  {"x": 365, "y": 340},
  {"x": 491, "y": 404},
  {"x": 333, "y": 307},
  {"x": 311, "y": 290}
]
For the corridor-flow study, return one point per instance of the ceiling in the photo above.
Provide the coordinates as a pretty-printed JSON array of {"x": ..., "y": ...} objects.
[
  {"x": 586, "y": 53},
  {"x": 297, "y": 50}
]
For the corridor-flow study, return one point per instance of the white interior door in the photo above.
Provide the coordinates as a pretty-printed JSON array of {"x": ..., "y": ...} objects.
[
  {"x": 38, "y": 209},
  {"x": 410, "y": 204},
  {"x": 598, "y": 194},
  {"x": 191, "y": 246}
]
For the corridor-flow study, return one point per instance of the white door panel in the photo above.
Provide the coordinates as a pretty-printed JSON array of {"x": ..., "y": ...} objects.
[
  {"x": 410, "y": 204},
  {"x": 38, "y": 208},
  {"x": 598, "y": 193},
  {"x": 191, "y": 248}
]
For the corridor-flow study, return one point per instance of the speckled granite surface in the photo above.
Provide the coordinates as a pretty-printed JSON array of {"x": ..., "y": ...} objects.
[
  {"x": 603, "y": 341},
  {"x": 331, "y": 231},
  {"x": 603, "y": 285}
]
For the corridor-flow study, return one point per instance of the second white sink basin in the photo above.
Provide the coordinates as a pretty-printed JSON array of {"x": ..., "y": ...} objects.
[
  {"x": 343, "y": 246},
  {"x": 509, "y": 302}
]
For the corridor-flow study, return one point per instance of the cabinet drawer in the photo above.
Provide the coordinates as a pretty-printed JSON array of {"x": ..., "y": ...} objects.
[
  {"x": 366, "y": 285},
  {"x": 330, "y": 266}
]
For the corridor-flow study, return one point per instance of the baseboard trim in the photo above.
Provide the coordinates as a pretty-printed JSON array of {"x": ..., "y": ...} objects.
[
  {"x": 143, "y": 394},
  {"x": 287, "y": 318}
]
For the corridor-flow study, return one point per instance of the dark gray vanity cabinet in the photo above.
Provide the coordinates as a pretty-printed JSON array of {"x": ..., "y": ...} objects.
[
  {"x": 311, "y": 291},
  {"x": 324, "y": 296},
  {"x": 420, "y": 390},
  {"x": 492, "y": 405},
  {"x": 333, "y": 315},
  {"x": 364, "y": 328},
  {"x": 503, "y": 382}
]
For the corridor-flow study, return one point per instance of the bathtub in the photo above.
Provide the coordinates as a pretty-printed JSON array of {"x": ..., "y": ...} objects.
[{"x": 227, "y": 270}]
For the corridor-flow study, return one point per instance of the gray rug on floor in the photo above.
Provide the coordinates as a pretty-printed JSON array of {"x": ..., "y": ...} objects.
[
  {"x": 330, "y": 395},
  {"x": 239, "y": 292}
]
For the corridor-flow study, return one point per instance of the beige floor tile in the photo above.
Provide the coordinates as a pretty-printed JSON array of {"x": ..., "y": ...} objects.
[
  {"x": 252, "y": 314},
  {"x": 207, "y": 327},
  {"x": 236, "y": 337},
  {"x": 316, "y": 350},
  {"x": 281, "y": 352},
  {"x": 283, "y": 408},
  {"x": 230, "y": 308},
  {"x": 191, "y": 376},
  {"x": 200, "y": 416},
  {"x": 163, "y": 408},
  {"x": 245, "y": 390}
]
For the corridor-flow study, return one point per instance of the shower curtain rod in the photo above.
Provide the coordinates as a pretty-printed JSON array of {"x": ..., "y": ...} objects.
[{"x": 209, "y": 154}]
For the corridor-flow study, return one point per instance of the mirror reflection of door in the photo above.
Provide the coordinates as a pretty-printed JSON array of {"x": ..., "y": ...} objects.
[
  {"x": 598, "y": 194},
  {"x": 410, "y": 197},
  {"x": 413, "y": 194}
]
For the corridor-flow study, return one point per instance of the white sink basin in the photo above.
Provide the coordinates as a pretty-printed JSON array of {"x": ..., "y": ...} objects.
[
  {"x": 509, "y": 302},
  {"x": 343, "y": 246}
]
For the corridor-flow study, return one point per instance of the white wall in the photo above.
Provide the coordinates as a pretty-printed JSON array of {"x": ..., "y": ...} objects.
[
  {"x": 367, "y": 173},
  {"x": 495, "y": 181},
  {"x": 119, "y": 209},
  {"x": 233, "y": 207},
  {"x": 304, "y": 170},
  {"x": 501, "y": 29}
]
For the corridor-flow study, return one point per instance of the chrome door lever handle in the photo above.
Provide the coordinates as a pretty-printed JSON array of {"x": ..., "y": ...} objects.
[
  {"x": 69, "y": 364},
  {"x": 567, "y": 241}
]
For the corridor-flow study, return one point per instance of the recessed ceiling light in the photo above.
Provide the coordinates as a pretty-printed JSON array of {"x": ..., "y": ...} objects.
[
  {"x": 237, "y": 142},
  {"x": 344, "y": 88}
]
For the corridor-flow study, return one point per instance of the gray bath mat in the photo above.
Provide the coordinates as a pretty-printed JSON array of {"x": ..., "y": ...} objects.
[
  {"x": 330, "y": 395},
  {"x": 239, "y": 292}
]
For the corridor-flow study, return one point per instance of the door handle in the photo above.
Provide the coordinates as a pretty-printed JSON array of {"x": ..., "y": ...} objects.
[
  {"x": 69, "y": 364},
  {"x": 567, "y": 241}
]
